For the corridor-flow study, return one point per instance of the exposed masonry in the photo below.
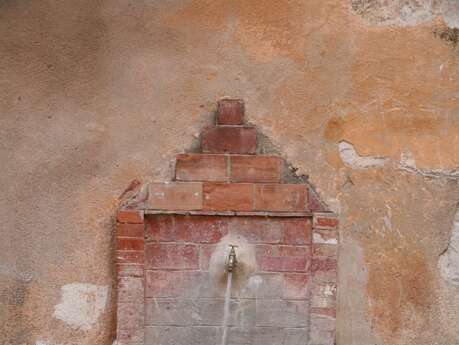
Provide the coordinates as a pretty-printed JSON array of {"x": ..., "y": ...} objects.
[
  {"x": 351, "y": 158},
  {"x": 166, "y": 235},
  {"x": 81, "y": 305},
  {"x": 407, "y": 163},
  {"x": 449, "y": 260},
  {"x": 407, "y": 13}
]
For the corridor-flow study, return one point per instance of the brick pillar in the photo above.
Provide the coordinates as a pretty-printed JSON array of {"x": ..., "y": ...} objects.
[
  {"x": 324, "y": 276},
  {"x": 130, "y": 277}
]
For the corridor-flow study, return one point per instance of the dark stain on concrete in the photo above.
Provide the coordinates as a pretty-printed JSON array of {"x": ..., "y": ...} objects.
[{"x": 449, "y": 35}]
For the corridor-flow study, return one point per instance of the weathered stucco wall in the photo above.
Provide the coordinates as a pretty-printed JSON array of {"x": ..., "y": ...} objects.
[{"x": 361, "y": 96}]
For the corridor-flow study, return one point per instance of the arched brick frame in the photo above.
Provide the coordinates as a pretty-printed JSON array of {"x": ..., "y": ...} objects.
[{"x": 227, "y": 178}]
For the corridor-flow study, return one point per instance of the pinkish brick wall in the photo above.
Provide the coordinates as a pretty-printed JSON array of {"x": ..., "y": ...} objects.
[{"x": 180, "y": 291}]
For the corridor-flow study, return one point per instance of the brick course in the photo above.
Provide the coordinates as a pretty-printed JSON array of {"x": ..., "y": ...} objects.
[
  {"x": 230, "y": 112},
  {"x": 177, "y": 258},
  {"x": 255, "y": 168},
  {"x": 237, "y": 139},
  {"x": 172, "y": 256},
  {"x": 175, "y": 196},
  {"x": 228, "y": 197},
  {"x": 280, "y": 197},
  {"x": 201, "y": 167}
]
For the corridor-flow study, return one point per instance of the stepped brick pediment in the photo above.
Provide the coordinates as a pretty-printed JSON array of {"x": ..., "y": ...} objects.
[{"x": 226, "y": 174}]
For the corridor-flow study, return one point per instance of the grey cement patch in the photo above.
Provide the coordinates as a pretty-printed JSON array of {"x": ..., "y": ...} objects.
[
  {"x": 450, "y": 12},
  {"x": 351, "y": 158},
  {"x": 449, "y": 260},
  {"x": 406, "y": 13},
  {"x": 81, "y": 305},
  {"x": 353, "y": 277}
]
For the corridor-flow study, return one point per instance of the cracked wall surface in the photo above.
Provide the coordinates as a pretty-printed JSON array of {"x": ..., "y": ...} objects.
[
  {"x": 407, "y": 12},
  {"x": 96, "y": 94},
  {"x": 449, "y": 259}
]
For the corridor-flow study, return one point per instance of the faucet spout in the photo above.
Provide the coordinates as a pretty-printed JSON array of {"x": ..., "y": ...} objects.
[{"x": 232, "y": 261}]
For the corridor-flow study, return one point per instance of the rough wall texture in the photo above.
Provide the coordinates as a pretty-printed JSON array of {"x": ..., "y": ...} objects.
[{"x": 97, "y": 93}]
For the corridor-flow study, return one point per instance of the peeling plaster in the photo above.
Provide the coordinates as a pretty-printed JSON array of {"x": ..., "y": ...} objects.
[
  {"x": 450, "y": 11},
  {"x": 318, "y": 238},
  {"x": 407, "y": 163},
  {"x": 407, "y": 13},
  {"x": 351, "y": 158},
  {"x": 449, "y": 260},
  {"x": 81, "y": 305},
  {"x": 43, "y": 342}
]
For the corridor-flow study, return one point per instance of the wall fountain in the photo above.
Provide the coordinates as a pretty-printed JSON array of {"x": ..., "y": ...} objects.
[{"x": 228, "y": 253}]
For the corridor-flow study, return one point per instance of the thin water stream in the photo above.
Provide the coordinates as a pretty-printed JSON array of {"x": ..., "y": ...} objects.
[{"x": 226, "y": 308}]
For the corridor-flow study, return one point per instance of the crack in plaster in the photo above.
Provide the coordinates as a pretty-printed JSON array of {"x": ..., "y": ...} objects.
[
  {"x": 449, "y": 259},
  {"x": 407, "y": 163},
  {"x": 44, "y": 342}
]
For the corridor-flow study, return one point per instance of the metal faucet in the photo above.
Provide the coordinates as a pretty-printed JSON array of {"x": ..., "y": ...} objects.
[{"x": 232, "y": 261}]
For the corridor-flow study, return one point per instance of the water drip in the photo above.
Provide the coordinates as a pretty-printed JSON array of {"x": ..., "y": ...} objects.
[{"x": 226, "y": 308}]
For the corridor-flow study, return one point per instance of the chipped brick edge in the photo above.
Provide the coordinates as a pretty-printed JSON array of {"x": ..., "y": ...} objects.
[
  {"x": 322, "y": 324},
  {"x": 130, "y": 280}
]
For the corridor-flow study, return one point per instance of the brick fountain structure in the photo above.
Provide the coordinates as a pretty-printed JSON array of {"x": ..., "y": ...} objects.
[{"x": 168, "y": 237}]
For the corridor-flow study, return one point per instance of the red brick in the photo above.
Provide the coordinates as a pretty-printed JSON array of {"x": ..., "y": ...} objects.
[
  {"x": 296, "y": 286},
  {"x": 133, "y": 335},
  {"x": 229, "y": 140},
  {"x": 200, "y": 229},
  {"x": 255, "y": 168},
  {"x": 280, "y": 197},
  {"x": 205, "y": 253},
  {"x": 201, "y": 167},
  {"x": 129, "y": 257},
  {"x": 175, "y": 196},
  {"x": 228, "y": 197},
  {"x": 283, "y": 264},
  {"x": 230, "y": 112},
  {"x": 130, "y": 289},
  {"x": 129, "y": 230},
  {"x": 129, "y": 270},
  {"x": 258, "y": 229},
  {"x": 134, "y": 217},
  {"x": 329, "y": 250},
  {"x": 325, "y": 222},
  {"x": 160, "y": 228},
  {"x": 323, "y": 295},
  {"x": 172, "y": 283},
  {"x": 328, "y": 312},
  {"x": 128, "y": 243},
  {"x": 325, "y": 276},
  {"x": 130, "y": 315},
  {"x": 283, "y": 258},
  {"x": 172, "y": 256},
  {"x": 323, "y": 264},
  {"x": 297, "y": 231}
]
